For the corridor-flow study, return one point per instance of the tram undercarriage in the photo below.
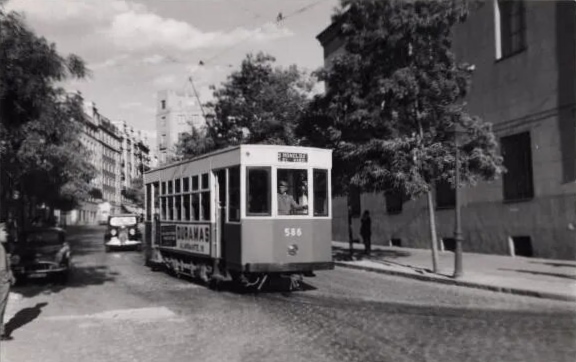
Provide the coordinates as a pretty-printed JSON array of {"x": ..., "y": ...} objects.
[{"x": 212, "y": 273}]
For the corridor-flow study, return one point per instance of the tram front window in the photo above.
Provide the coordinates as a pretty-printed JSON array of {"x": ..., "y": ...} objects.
[{"x": 292, "y": 192}]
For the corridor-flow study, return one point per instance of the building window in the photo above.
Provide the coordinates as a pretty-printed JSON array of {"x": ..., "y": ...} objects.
[
  {"x": 394, "y": 201},
  {"x": 163, "y": 104},
  {"x": 445, "y": 195},
  {"x": 518, "y": 180},
  {"x": 510, "y": 27}
]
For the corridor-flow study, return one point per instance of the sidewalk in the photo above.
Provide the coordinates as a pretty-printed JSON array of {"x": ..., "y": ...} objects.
[{"x": 544, "y": 278}]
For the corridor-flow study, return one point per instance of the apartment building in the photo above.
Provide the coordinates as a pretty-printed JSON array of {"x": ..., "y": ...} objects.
[{"x": 104, "y": 142}]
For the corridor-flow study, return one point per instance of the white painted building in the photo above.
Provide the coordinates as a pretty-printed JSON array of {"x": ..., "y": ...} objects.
[{"x": 177, "y": 112}]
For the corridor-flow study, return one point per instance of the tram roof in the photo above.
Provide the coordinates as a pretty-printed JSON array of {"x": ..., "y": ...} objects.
[{"x": 234, "y": 148}]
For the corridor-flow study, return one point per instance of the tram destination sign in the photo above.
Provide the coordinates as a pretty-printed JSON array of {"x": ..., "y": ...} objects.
[{"x": 292, "y": 157}]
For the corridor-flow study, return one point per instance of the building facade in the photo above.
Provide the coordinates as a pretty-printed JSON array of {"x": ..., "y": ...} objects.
[
  {"x": 104, "y": 142},
  {"x": 136, "y": 153},
  {"x": 177, "y": 112},
  {"x": 524, "y": 83}
]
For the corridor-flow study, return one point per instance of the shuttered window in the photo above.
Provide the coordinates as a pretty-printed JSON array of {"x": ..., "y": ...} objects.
[{"x": 518, "y": 181}]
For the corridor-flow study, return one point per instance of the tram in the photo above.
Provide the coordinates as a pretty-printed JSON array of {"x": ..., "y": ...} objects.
[{"x": 245, "y": 214}]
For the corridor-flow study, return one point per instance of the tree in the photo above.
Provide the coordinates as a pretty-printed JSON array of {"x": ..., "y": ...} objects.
[
  {"x": 135, "y": 193},
  {"x": 259, "y": 103},
  {"x": 195, "y": 143},
  {"x": 394, "y": 98},
  {"x": 40, "y": 152}
]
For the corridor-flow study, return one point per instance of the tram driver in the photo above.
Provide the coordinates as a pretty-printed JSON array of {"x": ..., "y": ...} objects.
[{"x": 286, "y": 203}]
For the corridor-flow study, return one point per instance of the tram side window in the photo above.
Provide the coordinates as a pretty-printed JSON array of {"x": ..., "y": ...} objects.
[
  {"x": 205, "y": 181},
  {"x": 234, "y": 190},
  {"x": 177, "y": 207},
  {"x": 206, "y": 205},
  {"x": 194, "y": 183},
  {"x": 186, "y": 208},
  {"x": 163, "y": 188},
  {"x": 320, "y": 192},
  {"x": 164, "y": 208},
  {"x": 196, "y": 207},
  {"x": 169, "y": 187},
  {"x": 292, "y": 192},
  {"x": 258, "y": 195},
  {"x": 177, "y": 186},
  {"x": 185, "y": 184},
  {"x": 170, "y": 208}
]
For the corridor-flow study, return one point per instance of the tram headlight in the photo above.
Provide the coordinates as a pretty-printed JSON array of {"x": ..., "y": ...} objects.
[
  {"x": 113, "y": 232},
  {"x": 132, "y": 232},
  {"x": 293, "y": 249}
]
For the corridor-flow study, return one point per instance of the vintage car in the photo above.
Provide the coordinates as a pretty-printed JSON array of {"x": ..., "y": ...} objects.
[
  {"x": 123, "y": 232},
  {"x": 42, "y": 252}
]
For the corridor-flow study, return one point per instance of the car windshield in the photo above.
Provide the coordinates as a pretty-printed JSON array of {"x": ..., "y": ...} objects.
[
  {"x": 44, "y": 237},
  {"x": 123, "y": 221}
]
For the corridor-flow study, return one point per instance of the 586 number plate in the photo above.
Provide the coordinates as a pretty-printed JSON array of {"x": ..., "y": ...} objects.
[{"x": 292, "y": 232}]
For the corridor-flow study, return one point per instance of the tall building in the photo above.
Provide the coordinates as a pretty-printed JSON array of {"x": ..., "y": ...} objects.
[
  {"x": 102, "y": 138},
  {"x": 524, "y": 84},
  {"x": 177, "y": 112},
  {"x": 136, "y": 153}
]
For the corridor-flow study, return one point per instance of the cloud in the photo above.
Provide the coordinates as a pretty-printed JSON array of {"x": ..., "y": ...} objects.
[
  {"x": 154, "y": 59},
  {"x": 66, "y": 10},
  {"x": 165, "y": 81},
  {"x": 136, "y": 30},
  {"x": 132, "y": 27},
  {"x": 131, "y": 105},
  {"x": 111, "y": 62}
]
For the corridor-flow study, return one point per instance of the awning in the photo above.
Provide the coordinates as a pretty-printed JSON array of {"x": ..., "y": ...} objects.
[{"x": 132, "y": 209}]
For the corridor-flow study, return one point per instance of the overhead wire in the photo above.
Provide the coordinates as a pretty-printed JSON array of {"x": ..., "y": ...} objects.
[{"x": 280, "y": 17}]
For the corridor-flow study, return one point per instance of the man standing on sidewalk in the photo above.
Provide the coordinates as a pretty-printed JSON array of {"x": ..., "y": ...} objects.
[{"x": 6, "y": 278}]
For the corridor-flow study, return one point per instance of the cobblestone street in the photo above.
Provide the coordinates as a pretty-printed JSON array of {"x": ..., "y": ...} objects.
[{"x": 114, "y": 308}]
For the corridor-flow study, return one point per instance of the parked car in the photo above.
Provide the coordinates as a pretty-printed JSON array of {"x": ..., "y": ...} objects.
[
  {"x": 42, "y": 252},
  {"x": 123, "y": 232}
]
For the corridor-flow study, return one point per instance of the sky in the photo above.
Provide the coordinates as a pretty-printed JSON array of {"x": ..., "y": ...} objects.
[{"x": 135, "y": 48}]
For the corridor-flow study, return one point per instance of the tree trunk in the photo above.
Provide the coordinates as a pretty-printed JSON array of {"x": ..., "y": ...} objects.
[{"x": 433, "y": 238}]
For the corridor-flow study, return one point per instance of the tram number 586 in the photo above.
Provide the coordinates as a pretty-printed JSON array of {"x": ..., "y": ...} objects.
[{"x": 292, "y": 232}]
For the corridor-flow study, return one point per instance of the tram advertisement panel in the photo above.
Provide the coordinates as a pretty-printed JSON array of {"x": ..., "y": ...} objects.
[
  {"x": 168, "y": 235},
  {"x": 195, "y": 238}
]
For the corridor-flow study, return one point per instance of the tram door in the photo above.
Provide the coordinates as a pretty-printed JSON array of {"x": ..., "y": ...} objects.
[{"x": 221, "y": 203}]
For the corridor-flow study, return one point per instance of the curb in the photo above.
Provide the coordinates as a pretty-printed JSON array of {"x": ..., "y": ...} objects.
[{"x": 435, "y": 279}]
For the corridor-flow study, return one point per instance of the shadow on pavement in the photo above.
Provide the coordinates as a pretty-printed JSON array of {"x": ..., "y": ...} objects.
[
  {"x": 270, "y": 286},
  {"x": 343, "y": 254},
  {"x": 556, "y": 275},
  {"x": 23, "y": 317},
  {"x": 566, "y": 265},
  {"x": 80, "y": 277}
]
